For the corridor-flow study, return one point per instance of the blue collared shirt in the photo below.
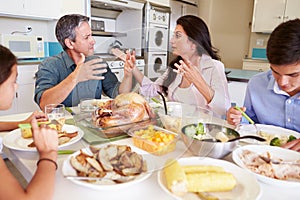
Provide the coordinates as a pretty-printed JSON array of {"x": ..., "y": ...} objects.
[
  {"x": 55, "y": 69},
  {"x": 267, "y": 104}
]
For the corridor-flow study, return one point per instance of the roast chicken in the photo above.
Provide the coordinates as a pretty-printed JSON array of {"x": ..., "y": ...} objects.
[{"x": 125, "y": 108}]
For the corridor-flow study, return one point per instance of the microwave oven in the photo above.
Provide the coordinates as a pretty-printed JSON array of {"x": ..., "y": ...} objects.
[{"x": 24, "y": 46}]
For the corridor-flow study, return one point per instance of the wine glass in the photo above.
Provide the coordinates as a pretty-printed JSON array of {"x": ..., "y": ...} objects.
[{"x": 56, "y": 115}]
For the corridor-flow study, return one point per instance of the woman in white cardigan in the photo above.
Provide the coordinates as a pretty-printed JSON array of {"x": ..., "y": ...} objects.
[{"x": 195, "y": 76}]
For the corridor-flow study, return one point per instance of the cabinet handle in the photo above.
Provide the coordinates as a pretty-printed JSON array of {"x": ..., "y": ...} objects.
[
  {"x": 279, "y": 17},
  {"x": 16, "y": 95}
]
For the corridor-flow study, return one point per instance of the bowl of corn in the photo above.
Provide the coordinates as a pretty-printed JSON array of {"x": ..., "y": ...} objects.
[{"x": 154, "y": 139}]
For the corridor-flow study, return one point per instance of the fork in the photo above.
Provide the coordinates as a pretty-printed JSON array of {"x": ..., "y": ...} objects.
[{"x": 276, "y": 162}]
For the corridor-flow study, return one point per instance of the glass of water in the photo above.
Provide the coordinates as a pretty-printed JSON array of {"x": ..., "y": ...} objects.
[{"x": 56, "y": 115}]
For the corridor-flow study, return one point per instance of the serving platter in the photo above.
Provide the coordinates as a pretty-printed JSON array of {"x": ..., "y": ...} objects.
[
  {"x": 266, "y": 131},
  {"x": 85, "y": 121},
  {"x": 247, "y": 186},
  {"x": 68, "y": 170},
  {"x": 14, "y": 139},
  {"x": 278, "y": 152}
]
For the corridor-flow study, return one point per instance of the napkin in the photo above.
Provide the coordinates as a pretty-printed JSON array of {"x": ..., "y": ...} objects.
[{"x": 91, "y": 135}]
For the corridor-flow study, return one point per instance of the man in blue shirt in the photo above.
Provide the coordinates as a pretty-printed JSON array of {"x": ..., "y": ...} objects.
[
  {"x": 273, "y": 97},
  {"x": 75, "y": 73}
]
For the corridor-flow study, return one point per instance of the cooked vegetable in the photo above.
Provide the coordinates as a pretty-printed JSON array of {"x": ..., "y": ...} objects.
[
  {"x": 201, "y": 168},
  {"x": 275, "y": 142},
  {"x": 200, "y": 129},
  {"x": 210, "y": 182},
  {"x": 175, "y": 177},
  {"x": 155, "y": 100},
  {"x": 291, "y": 138}
]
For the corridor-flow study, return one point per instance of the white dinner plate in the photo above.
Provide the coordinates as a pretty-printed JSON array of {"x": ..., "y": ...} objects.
[
  {"x": 269, "y": 131},
  {"x": 68, "y": 170},
  {"x": 14, "y": 139},
  {"x": 278, "y": 152},
  {"x": 247, "y": 186}
]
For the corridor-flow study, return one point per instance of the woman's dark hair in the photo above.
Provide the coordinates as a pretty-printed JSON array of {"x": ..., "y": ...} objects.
[
  {"x": 65, "y": 27},
  {"x": 283, "y": 46},
  {"x": 7, "y": 61},
  {"x": 198, "y": 33}
]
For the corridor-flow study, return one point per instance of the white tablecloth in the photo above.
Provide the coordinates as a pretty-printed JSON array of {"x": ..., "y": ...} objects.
[{"x": 149, "y": 189}]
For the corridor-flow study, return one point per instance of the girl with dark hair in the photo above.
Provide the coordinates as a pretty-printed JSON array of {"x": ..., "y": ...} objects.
[
  {"x": 42, "y": 184},
  {"x": 195, "y": 76},
  {"x": 8, "y": 63}
]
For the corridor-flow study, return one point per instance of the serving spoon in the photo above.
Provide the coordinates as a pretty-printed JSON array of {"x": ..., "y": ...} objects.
[{"x": 237, "y": 138}]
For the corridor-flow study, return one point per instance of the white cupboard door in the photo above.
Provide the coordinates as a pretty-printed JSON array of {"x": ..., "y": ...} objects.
[
  {"x": 43, "y": 8},
  {"x": 25, "y": 99},
  {"x": 267, "y": 15},
  {"x": 12, "y": 7},
  {"x": 73, "y": 7},
  {"x": 292, "y": 10},
  {"x": 25, "y": 92}
]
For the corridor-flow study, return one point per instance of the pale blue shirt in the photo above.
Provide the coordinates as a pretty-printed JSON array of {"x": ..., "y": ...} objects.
[{"x": 266, "y": 103}]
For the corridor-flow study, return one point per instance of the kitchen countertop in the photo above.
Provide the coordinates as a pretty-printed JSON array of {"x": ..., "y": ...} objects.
[
  {"x": 33, "y": 61},
  {"x": 239, "y": 75},
  {"x": 255, "y": 60}
]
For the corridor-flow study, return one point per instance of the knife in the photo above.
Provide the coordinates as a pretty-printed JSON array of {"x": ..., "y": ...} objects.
[{"x": 85, "y": 178}]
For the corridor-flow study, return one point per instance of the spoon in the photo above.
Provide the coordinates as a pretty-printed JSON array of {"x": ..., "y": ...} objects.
[
  {"x": 249, "y": 137},
  {"x": 237, "y": 138}
]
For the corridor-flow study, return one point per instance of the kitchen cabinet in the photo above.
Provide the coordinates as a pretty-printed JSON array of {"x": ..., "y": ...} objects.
[
  {"x": 268, "y": 14},
  {"x": 23, "y": 101},
  {"x": 73, "y": 7},
  {"x": 42, "y": 9},
  {"x": 161, "y": 2},
  {"x": 12, "y": 7},
  {"x": 257, "y": 65}
]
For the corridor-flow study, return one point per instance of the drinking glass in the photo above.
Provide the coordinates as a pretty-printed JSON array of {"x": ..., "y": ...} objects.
[{"x": 56, "y": 115}]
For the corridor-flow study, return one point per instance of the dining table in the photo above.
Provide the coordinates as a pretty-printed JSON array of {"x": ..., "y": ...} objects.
[{"x": 148, "y": 189}]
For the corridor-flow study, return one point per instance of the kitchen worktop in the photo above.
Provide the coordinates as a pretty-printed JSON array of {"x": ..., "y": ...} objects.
[
  {"x": 33, "y": 61},
  {"x": 239, "y": 75},
  {"x": 256, "y": 60}
]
